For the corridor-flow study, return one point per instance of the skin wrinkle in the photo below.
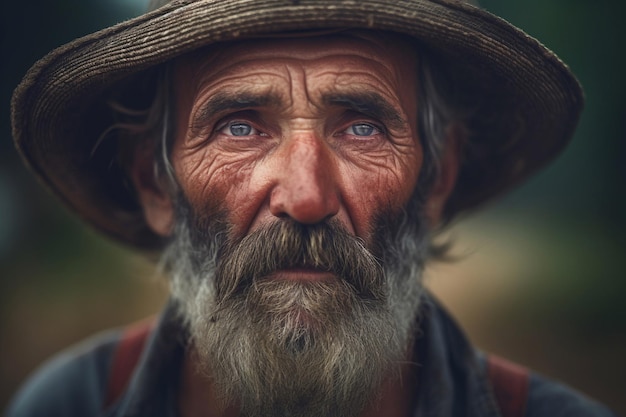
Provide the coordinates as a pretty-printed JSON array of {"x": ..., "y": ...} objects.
[
  {"x": 370, "y": 105},
  {"x": 221, "y": 103},
  {"x": 398, "y": 128},
  {"x": 234, "y": 167},
  {"x": 432, "y": 133},
  {"x": 249, "y": 168},
  {"x": 289, "y": 99},
  {"x": 435, "y": 113},
  {"x": 338, "y": 75},
  {"x": 270, "y": 98},
  {"x": 389, "y": 94}
]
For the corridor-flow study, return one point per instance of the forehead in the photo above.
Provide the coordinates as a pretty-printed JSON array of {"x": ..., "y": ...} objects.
[{"x": 347, "y": 56}]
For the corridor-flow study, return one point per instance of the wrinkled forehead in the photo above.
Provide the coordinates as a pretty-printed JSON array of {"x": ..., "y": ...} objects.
[{"x": 396, "y": 52}]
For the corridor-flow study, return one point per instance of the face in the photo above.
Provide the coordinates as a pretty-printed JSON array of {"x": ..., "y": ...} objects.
[
  {"x": 307, "y": 129},
  {"x": 298, "y": 242}
]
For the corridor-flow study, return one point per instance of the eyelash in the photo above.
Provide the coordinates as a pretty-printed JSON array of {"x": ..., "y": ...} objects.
[
  {"x": 225, "y": 127},
  {"x": 376, "y": 129},
  {"x": 221, "y": 127}
]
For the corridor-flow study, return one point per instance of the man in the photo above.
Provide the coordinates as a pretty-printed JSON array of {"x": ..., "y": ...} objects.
[{"x": 290, "y": 161}]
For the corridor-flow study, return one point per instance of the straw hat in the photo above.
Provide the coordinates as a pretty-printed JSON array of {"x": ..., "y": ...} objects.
[{"x": 58, "y": 110}]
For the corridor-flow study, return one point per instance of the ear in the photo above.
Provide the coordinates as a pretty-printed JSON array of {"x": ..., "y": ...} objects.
[
  {"x": 158, "y": 207},
  {"x": 450, "y": 161}
]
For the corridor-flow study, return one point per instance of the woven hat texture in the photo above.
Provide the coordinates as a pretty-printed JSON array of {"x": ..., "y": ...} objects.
[{"x": 531, "y": 101}]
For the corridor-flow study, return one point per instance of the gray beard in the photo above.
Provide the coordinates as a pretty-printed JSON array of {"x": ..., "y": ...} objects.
[{"x": 291, "y": 348}]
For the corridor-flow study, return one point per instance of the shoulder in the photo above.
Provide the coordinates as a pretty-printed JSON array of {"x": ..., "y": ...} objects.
[
  {"x": 547, "y": 398},
  {"x": 70, "y": 384}
]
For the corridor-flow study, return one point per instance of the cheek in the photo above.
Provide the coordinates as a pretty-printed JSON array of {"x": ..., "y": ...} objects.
[
  {"x": 379, "y": 184},
  {"x": 212, "y": 178}
]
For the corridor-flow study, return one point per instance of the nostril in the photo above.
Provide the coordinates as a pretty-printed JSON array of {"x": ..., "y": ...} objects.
[{"x": 307, "y": 205}]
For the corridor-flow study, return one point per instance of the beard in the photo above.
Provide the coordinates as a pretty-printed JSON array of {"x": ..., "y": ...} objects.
[{"x": 276, "y": 347}]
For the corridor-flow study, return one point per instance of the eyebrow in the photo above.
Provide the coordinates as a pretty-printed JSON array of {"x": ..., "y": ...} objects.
[
  {"x": 228, "y": 102},
  {"x": 371, "y": 104}
]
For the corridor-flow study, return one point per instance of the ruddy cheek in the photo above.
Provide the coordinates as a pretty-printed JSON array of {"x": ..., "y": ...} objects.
[
  {"x": 384, "y": 185},
  {"x": 205, "y": 173}
]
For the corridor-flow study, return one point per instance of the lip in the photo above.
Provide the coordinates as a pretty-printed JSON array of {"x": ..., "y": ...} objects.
[{"x": 302, "y": 274}]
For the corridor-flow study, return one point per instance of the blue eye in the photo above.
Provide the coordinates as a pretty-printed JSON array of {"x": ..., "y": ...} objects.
[
  {"x": 362, "y": 129},
  {"x": 240, "y": 129}
]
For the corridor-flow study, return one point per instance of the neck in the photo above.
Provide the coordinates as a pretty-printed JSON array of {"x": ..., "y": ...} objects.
[
  {"x": 397, "y": 396},
  {"x": 198, "y": 397}
]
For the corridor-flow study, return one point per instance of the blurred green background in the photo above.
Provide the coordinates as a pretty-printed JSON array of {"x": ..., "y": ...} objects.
[{"x": 540, "y": 280}]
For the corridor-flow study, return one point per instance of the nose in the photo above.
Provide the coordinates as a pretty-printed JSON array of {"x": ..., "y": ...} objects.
[{"x": 306, "y": 189}]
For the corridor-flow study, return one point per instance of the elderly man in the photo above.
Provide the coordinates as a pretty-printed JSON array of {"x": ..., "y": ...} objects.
[{"x": 290, "y": 161}]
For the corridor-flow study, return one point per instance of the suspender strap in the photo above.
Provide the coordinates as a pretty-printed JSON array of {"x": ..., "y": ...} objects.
[
  {"x": 125, "y": 358},
  {"x": 510, "y": 385}
]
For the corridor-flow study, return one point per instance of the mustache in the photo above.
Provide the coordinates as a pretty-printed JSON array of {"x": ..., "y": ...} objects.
[{"x": 286, "y": 244}]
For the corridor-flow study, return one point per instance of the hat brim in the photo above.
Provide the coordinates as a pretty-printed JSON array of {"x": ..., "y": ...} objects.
[{"x": 56, "y": 110}]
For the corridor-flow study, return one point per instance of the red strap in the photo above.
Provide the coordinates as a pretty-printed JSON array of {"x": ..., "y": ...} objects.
[
  {"x": 125, "y": 359},
  {"x": 510, "y": 384}
]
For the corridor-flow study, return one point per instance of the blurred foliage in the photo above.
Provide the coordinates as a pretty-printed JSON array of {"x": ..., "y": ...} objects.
[
  {"x": 589, "y": 179},
  {"x": 580, "y": 200}
]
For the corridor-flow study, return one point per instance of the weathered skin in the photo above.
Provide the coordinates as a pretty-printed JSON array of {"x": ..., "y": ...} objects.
[
  {"x": 310, "y": 128},
  {"x": 301, "y": 158}
]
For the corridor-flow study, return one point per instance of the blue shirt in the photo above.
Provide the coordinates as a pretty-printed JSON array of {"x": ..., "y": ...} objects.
[{"x": 453, "y": 378}]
